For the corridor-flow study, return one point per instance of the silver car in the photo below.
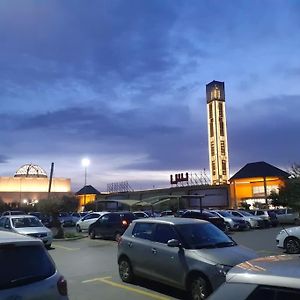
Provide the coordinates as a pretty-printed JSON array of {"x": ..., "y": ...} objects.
[
  {"x": 27, "y": 225},
  {"x": 28, "y": 272},
  {"x": 269, "y": 278},
  {"x": 189, "y": 254}
]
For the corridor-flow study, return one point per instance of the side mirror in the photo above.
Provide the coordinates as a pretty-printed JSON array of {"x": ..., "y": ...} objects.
[{"x": 174, "y": 243}]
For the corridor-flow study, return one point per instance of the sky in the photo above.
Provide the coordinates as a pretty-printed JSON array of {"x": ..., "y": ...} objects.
[{"x": 122, "y": 82}]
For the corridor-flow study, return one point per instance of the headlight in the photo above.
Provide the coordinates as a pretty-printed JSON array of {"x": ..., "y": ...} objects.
[{"x": 223, "y": 269}]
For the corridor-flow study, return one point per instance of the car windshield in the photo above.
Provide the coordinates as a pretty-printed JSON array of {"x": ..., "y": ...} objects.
[
  {"x": 199, "y": 236},
  {"x": 244, "y": 213},
  {"x": 26, "y": 222},
  {"x": 225, "y": 214}
]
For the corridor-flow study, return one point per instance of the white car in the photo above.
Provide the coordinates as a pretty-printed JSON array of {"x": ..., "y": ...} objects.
[
  {"x": 289, "y": 239},
  {"x": 28, "y": 271},
  {"x": 27, "y": 225},
  {"x": 84, "y": 223}
]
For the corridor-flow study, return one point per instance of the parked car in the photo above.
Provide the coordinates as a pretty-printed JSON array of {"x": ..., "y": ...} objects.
[
  {"x": 289, "y": 239},
  {"x": 189, "y": 254},
  {"x": 251, "y": 220},
  {"x": 166, "y": 213},
  {"x": 207, "y": 216},
  {"x": 28, "y": 270},
  {"x": 84, "y": 223},
  {"x": 287, "y": 216},
  {"x": 269, "y": 278},
  {"x": 45, "y": 219},
  {"x": 66, "y": 219},
  {"x": 27, "y": 225},
  {"x": 111, "y": 225},
  {"x": 231, "y": 222},
  {"x": 140, "y": 214},
  {"x": 76, "y": 216},
  {"x": 13, "y": 213},
  {"x": 268, "y": 216}
]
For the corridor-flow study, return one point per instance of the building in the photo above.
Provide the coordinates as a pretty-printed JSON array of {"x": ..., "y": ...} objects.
[
  {"x": 254, "y": 182},
  {"x": 87, "y": 194},
  {"x": 217, "y": 133},
  {"x": 30, "y": 184}
]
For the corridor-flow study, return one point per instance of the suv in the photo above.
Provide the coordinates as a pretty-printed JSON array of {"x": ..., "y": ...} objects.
[
  {"x": 287, "y": 216},
  {"x": 207, "y": 216},
  {"x": 268, "y": 216},
  {"x": 111, "y": 225},
  {"x": 273, "y": 277},
  {"x": 192, "y": 255},
  {"x": 28, "y": 270}
]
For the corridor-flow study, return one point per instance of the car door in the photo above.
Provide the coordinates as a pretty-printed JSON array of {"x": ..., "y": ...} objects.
[
  {"x": 107, "y": 225},
  {"x": 7, "y": 225},
  {"x": 168, "y": 263},
  {"x": 88, "y": 220}
]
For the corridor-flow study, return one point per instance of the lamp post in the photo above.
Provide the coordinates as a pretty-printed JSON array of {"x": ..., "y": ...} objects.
[{"x": 85, "y": 163}]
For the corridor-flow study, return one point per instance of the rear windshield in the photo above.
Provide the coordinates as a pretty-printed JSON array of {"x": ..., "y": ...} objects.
[{"x": 21, "y": 265}]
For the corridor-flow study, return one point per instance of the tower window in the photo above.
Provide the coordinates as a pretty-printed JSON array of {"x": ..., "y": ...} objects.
[
  {"x": 221, "y": 127},
  {"x": 214, "y": 168},
  {"x": 212, "y": 148},
  {"x": 210, "y": 111},
  {"x": 211, "y": 127},
  {"x": 223, "y": 148},
  {"x": 224, "y": 167},
  {"x": 220, "y": 105}
]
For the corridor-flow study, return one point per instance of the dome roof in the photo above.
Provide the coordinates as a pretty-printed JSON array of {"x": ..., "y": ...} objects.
[{"x": 30, "y": 170}]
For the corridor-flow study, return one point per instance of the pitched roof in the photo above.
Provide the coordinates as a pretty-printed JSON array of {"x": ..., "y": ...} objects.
[
  {"x": 87, "y": 190},
  {"x": 259, "y": 169}
]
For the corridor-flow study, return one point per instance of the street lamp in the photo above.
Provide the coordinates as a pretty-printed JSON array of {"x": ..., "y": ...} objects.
[{"x": 85, "y": 163}]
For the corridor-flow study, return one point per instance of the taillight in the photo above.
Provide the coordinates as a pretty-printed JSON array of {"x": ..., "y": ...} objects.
[
  {"x": 124, "y": 222},
  {"x": 62, "y": 286}
]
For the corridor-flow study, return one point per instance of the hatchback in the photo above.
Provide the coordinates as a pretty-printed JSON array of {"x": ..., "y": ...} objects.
[
  {"x": 111, "y": 225},
  {"x": 265, "y": 278},
  {"x": 28, "y": 272},
  {"x": 189, "y": 254},
  {"x": 27, "y": 225}
]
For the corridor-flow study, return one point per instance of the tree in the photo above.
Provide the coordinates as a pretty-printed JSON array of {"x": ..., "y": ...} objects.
[
  {"x": 289, "y": 194},
  {"x": 3, "y": 206}
]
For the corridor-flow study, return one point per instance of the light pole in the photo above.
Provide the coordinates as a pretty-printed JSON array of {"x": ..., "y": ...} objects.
[{"x": 85, "y": 163}]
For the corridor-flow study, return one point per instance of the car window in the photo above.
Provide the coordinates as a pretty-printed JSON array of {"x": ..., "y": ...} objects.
[
  {"x": 143, "y": 230},
  {"x": 260, "y": 213},
  {"x": 33, "y": 263},
  {"x": 236, "y": 214},
  {"x": 2, "y": 221},
  {"x": 164, "y": 233},
  {"x": 274, "y": 293},
  {"x": 91, "y": 216},
  {"x": 26, "y": 222},
  {"x": 290, "y": 211},
  {"x": 112, "y": 217},
  {"x": 7, "y": 223}
]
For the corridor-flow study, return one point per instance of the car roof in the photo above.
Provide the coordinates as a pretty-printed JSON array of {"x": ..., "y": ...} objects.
[
  {"x": 280, "y": 270},
  {"x": 19, "y": 216},
  {"x": 11, "y": 237},
  {"x": 171, "y": 221}
]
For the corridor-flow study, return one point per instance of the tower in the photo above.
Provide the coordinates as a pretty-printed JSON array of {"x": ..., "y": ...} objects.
[{"x": 217, "y": 132}]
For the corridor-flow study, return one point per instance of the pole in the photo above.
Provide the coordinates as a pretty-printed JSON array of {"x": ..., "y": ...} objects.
[
  {"x": 85, "y": 174},
  {"x": 50, "y": 180}
]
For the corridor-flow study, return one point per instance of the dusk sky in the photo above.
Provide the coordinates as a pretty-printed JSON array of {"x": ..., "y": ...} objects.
[{"x": 123, "y": 83}]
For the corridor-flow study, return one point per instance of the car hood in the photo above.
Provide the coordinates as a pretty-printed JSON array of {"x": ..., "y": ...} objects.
[
  {"x": 229, "y": 256},
  {"x": 31, "y": 230}
]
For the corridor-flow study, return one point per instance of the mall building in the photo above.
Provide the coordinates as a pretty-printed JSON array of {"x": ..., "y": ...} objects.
[{"x": 30, "y": 184}]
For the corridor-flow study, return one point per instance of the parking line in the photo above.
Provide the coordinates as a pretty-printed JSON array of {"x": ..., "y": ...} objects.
[
  {"x": 65, "y": 248},
  {"x": 107, "y": 280}
]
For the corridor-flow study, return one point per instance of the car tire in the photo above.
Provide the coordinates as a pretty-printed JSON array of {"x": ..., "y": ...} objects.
[
  {"x": 292, "y": 245},
  {"x": 92, "y": 234},
  {"x": 199, "y": 288},
  {"x": 78, "y": 229},
  {"x": 125, "y": 270},
  {"x": 48, "y": 247}
]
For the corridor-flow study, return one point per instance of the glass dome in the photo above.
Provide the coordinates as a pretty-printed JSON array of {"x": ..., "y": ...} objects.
[{"x": 30, "y": 170}]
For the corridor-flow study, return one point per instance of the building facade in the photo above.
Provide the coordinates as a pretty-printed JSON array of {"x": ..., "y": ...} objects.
[{"x": 217, "y": 133}]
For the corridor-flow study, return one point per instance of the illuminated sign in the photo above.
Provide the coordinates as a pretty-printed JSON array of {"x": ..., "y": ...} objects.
[{"x": 179, "y": 178}]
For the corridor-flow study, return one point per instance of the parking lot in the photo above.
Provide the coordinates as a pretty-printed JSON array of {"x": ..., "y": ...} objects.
[{"x": 90, "y": 266}]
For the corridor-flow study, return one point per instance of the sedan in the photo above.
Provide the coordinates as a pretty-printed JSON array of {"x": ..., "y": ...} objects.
[
  {"x": 289, "y": 239},
  {"x": 192, "y": 255},
  {"x": 27, "y": 225}
]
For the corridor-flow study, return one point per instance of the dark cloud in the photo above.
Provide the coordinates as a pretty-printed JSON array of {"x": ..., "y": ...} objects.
[{"x": 3, "y": 159}]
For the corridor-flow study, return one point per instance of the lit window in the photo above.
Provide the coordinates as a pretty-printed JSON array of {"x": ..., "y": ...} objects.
[
  {"x": 223, "y": 148},
  {"x": 211, "y": 129},
  {"x": 214, "y": 168},
  {"x": 212, "y": 148},
  {"x": 221, "y": 127},
  {"x": 220, "y": 105}
]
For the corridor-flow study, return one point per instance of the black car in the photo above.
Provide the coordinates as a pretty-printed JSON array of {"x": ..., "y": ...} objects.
[
  {"x": 111, "y": 225},
  {"x": 207, "y": 216}
]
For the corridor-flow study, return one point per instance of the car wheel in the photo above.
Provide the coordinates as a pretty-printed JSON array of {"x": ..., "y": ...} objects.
[
  {"x": 48, "y": 246},
  {"x": 199, "y": 288},
  {"x": 125, "y": 270},
  {"x": 92, "y": 234},
  {"x": 227, "y": 227},
  {"x": 292, "y": 245},
  {"x": 78, "y": 229}
]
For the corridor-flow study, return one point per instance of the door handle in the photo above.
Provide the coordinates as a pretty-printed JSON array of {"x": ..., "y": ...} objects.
[
  {"x": 154, "y": 251},
  {"x": 129, "y": 244}
]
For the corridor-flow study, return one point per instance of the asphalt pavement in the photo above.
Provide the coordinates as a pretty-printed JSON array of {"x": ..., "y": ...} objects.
[{"x": 90, "y": 267}]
